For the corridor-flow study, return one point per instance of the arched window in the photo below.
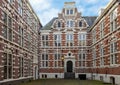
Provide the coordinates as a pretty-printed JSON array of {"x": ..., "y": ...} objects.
[
  {"x": 59, "y": 24},
  {"x": 80, "y": 24}
]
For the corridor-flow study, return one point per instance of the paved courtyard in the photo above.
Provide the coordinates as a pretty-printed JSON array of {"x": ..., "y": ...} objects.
[{"x": 64, "y": 82}]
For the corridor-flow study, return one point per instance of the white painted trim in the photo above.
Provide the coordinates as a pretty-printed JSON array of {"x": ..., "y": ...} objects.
[
  {"x": 52, "y": 75},
  {"x": 106, "y": 78},
  {"x": 8, "y": 80}
]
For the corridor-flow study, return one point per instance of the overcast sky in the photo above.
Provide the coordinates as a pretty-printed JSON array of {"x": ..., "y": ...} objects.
[{"x": 47, "y": 9}]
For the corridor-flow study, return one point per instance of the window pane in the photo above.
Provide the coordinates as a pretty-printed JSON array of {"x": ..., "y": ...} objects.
[
  {"x": 5, "y": 32},
  {"x": 67, "y": 12},
  {"x": 5, "y": 72},
  {"x": 80, "y": 24},
  {"x": 59, "y": 24},
  {"x": 71, "y": 11}
]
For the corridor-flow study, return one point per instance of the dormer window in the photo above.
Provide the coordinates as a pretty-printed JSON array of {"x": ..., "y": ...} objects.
[
  {"x": 70, "y": 23},
  {"x": 80, "y": 24},
  {"x": 69, "y": 12},
  {"x": 59, "y": 24}
]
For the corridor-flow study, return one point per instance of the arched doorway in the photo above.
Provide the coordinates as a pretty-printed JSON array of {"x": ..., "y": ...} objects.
[{"x": 69, "y": 66}]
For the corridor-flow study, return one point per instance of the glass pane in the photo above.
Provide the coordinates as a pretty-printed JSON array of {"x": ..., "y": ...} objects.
[{"x": 5, "y": 72}]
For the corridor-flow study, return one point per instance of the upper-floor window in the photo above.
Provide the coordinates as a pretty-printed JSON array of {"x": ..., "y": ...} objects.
[
  {"x": 21, "y": 36},
  {"x": 82, "y": 59},
  {"x": 94, "y": 56},
  {"x": 20, "y": 7},
  {"x": 7, "y": 27},
  {"x": 44, "y": 60},
  {"x": 69, "y": 11},
  {"x": 57, "y": 59},
  {"x": 45, "y": 40},
  {"x": 102, "y": 29},
  {"x": 70, "y": 23},
  {"x": 113, "y": 20},
  {"x": 80, "y": 24},
  {"x": 57, "y": 39},
  {"x": 69, "y": 38},
  {"x": 59, "y": 24},
  {"x": 101, "y": 55},
  {"x": 10, "y": 1},
  {"x": 94, "y": 35},
  {"x": 82, "y": 36},
  {"x": 113, "y": 54},
  {"x": 82, "y": 39}
]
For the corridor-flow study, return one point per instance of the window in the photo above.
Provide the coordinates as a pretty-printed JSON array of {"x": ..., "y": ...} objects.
[
  {"x": 69, "y": 12},
  {"x": 21, "y": 67},
  {"x": 57, "y": 59},
  {"x": 7, "y": 27},
  {"x": 80, "y": 24},
  {"x": 29, "y": 67},
  {"x": 113, "y": 54},
  {"x": 113, "y": 20},
  {"x": 44, "y": 40},
  {"x": 94, "y": 57},
  {"x": 70, "y": 23},
  {"x": 94, "y": 35},
  {"x": 82, "y": 59},
  {"x": 10, "y": 1},
  {"x": 101, "y": 55},
  {"x": 59, "y": 24},
  {"x": 57, "y": 39},
  {"x": 102, "y": 29},
  {"x": 82, "y": 39},
  {"x": 21, "y": 36},
  {"x": 69, "y": 39},
  {"x": 7, "y": 66},
  {"x": 44, "y": 60},
  {"x": 20, "y": 5}
]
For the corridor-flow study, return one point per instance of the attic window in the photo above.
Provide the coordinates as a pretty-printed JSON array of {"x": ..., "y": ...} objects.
[
  {"x": 80, "y": 24},
  {"x": 69, "y": 11},
  {"x": 69, "y": 23},
  {"x": 59, "y": 24}
]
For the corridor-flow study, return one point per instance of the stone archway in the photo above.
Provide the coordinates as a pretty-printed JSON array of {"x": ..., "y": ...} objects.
[{"x": 69, "y": 66}]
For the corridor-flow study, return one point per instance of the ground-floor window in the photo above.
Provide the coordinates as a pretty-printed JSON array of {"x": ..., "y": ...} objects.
[
  {"x": 8, "y": 66},
  {"x": 21, "y": 66}
]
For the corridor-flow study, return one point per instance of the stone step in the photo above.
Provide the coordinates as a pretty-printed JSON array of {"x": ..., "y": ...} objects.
[{"x": 69, "y": 75}]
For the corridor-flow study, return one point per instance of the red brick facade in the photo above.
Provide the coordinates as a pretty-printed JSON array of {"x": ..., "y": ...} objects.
[
  {"x": 73, "y": 44},
  {"x": 19, "y": 27},
  {"x": 102, "y": 49}
]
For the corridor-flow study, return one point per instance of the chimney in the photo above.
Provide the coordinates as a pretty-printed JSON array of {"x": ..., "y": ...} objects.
[{"x": 101, "y": 11}]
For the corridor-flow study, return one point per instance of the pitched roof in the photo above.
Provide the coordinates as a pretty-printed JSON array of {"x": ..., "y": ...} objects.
[
  {"x": 89, "y": 19},
  {"x": 49, "y": 24}
]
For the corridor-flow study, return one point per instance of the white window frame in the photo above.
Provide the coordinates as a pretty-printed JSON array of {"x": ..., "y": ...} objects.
[
  {"x": 68, "y": 11},
  {"x": 58, "y": 39},
  {"x": 113, "y": 20},
  {"x": 113, "y": 50},
  {"x": 70, "y": 24}
]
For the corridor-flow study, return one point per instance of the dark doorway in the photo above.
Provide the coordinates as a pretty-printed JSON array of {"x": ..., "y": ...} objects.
[
  {"x": 69, "y": 66},
  {"x": 112, "y": 80},
  {"x": 82, "y": 76}
]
